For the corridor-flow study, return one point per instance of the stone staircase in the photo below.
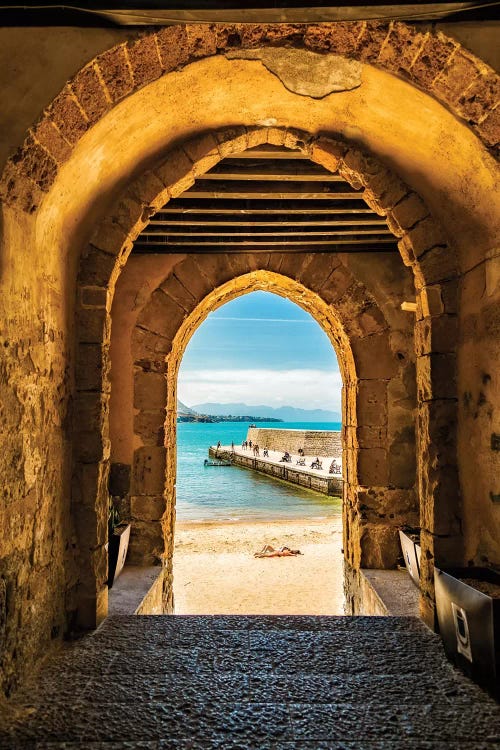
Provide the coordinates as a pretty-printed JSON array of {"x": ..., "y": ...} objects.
[{"x": 241, "y": 682}]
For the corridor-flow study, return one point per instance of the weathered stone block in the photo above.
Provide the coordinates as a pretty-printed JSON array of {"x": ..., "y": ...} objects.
[
  {"x": 92, "y": 367},
  {"x": 90, "y": 485},
  {"x": 149, "y": 471},
  {"x": 373, "y": 469},
  {"x": 147, "y": 345},
  {"x": 176, "y": 172},
  {"x": 115, "y": 72},
  {"x": 147, "y": 507},
  {"x": 179, "y": 293},
  {"x": 402, "y": 465},
  {"x": 46, "y": 133},
  {"x": 201, "y": 40},
  {"x": 150, "y": 390},
  {"x": 91, "y": 410},
  {"x": 232, "y": 140},
  {"x": 401, "y": 47},
  {"x": 372, "y": 40},
  {"x": 156, "y": 315},
  {"x": 110, "y": 237},
  {"x": 92, "y": 325},
  {"x": 338, "y": 283},
  {"x": 440, "y": 507},
  {"x": 149, "y": 190},
  {"x": 426, "y": 234},
  {"x": 327, "y": 153},
  {"x": 16, "y": 188},
  {"x": 294, "y": 265},
  {"x": 203, "y": 152},
  {"x": 383, "y": 191},
  {"x": 373, "y": 357},
  {"x": 340, "y": 38},
  {"x": 315, "y": 275},
  {"x": 89, "y": 91},
  {"x": 431, "y": 301},
  {"x": 68, "y": 117},
  {"x": 436, "y": 377},
  {"x": 436, "y": 265},
  {"x": 380, "y": 546},
  {"x": 172, "y": 46},
  {"x": 36, "y": 163},
  {"x": 93, "y": 296},
  {"x": 437, "y": 432},
  {"x": 489, "y": 128},
  {"x": 215, "y": 268},
  {"x": 432, "y": 59},
  {"x": 191, "y": 277},
  {"x": 144, "y": 60},
  {"x": 92, "y": 447},
  {"x": 480, "y": 96},
  {"x": 96, "y": 267},
  {"x": 150, "y": 427},
  {"x": 371, "y": 437},
  {"x": 408, "y": 212},
  {"x": 147, "y": 543},
  {"x": 456, "y": 77},
  {"x": 439, "y": 335},
  {"x": 371, "y": 403}
]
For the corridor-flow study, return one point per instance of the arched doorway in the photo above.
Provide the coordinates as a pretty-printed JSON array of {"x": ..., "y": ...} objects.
[{"x": 68, "y": 212}]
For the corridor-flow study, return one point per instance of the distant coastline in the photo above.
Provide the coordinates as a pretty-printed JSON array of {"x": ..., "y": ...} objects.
[{"x": 212, "y": 418}]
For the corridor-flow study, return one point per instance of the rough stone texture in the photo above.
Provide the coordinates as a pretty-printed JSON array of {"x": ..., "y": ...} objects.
[{"x": 288, "y": 683}]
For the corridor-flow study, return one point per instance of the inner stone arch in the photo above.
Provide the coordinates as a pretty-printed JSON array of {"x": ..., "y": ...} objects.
[{"x": 158, "y": 342}]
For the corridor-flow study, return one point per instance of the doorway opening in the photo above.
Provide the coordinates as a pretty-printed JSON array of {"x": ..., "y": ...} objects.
[{"x": 258, "y": 383}]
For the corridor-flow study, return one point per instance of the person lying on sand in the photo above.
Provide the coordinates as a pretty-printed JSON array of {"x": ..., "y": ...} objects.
[{"x": 268, "y": 551}]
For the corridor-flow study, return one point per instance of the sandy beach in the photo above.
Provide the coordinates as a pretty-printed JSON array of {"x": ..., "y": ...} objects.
[{"x": 215, "y": 571}]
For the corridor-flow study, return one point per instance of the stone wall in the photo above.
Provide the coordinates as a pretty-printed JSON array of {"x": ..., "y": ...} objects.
[{"x": 312, "y": 442}]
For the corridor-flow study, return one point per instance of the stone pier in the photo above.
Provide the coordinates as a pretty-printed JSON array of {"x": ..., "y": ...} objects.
[{"x": 310, "y": 479}]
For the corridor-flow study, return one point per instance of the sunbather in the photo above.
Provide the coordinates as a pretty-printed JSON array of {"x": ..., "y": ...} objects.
[{"x": 269, "y": 551}]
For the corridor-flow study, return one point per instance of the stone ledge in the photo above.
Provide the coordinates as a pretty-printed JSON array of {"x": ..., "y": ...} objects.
[
  {"x": 389, "y": 592},
  {"x": 137, "y": 591}
]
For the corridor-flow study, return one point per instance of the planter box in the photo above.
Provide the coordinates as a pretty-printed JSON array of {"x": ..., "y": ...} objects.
[
  {"x": 117, "y": 551},
  {"x": 469, "y": 621},
  {"x": 411, "y": 553}
]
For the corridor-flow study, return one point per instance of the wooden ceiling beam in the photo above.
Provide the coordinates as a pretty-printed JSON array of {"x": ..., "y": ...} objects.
[
  {"x": 377, "y": 222},
  {"x": 176, "y": 208},
  {"x": 292, "y": 233}
]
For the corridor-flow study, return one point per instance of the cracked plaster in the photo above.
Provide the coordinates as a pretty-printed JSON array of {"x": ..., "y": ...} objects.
[{"x": 306, "y": 73}]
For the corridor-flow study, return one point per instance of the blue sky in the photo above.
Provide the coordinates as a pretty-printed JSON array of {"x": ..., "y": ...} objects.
[{"x": 260, "y": 349}]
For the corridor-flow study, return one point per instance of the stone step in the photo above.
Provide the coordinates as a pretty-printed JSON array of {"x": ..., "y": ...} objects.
[{"x": 246, "y": 682}]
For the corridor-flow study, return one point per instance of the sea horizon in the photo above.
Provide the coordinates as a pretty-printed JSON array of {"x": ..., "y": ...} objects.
[{"x": 235, "y": 494}]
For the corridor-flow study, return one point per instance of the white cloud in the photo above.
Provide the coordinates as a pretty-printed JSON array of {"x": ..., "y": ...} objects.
[{"x": 304, "y": 388}]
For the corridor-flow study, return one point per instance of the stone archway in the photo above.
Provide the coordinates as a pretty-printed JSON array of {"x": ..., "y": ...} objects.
[
  {"x": 64, "y": 179},
  {"x": 376, "y": 484},
  {"x": 421, "y": 240}
]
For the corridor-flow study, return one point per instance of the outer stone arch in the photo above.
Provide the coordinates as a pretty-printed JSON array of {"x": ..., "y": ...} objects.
[
  {"x": 432, "y": 61},
  {"x": 422, "y": 246}
]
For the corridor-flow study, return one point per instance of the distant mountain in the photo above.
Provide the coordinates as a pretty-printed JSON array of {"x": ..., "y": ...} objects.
[
  {"x": 286, "y": 413},
  {"x": 183, "y": 409}
]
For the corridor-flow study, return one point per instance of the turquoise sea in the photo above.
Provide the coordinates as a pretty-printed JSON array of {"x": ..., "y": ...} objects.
[{"x": 233, "y": 493}]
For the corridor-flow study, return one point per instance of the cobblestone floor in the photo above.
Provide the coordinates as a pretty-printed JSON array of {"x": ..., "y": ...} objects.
[{"x": 266, "y": 683}]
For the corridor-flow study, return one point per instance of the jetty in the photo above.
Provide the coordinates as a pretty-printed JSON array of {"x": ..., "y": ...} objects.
[{"x": 301, "y": 474}]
